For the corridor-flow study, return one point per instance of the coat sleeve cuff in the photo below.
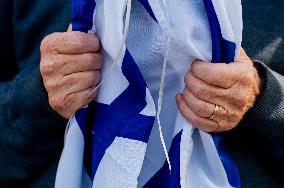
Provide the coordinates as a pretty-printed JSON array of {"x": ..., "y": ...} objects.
[{"x": 265, "y": 121}]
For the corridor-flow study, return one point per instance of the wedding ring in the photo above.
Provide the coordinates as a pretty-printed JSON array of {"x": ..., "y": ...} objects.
[{"x": 214, "y": 112}]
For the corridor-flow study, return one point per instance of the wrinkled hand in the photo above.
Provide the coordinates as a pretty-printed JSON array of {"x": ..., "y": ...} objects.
[
  {"x": 70, "y": 67},
  {"x": 233, "y": 87}
]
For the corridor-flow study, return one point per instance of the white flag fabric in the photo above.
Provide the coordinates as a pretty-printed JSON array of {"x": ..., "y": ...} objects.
[{"x": 114, "y": 142}]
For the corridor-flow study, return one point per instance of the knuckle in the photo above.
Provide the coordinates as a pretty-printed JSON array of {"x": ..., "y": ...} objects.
[
  {"x": 197, "y": 89},
  {"x": 96, "y": 76},
  {"x": 45, "y": 43},
  {"x": 47, "y": 67},
  {"x": 234, "y": 116},
  {"x": 95, "y": 59},
  {"x": 69, "y": 80},
  {"x": 223, "y": 93},
  {"x": 93, "y": 77},
  {"x": 48, "y": 42},
  {"x": 98, "y": 60},
  {"x": 50, "y": 85},
  {"x": 198, "y": 109},
  {"x": 56, "y": 103},
  {"x": 238, "y": 99},
  {"x": 179, "y": 105},
  {"x": 194, "y": 120},
  {"x": 194, "y": 66},
  {"x": 187, "y": 78},
  {"x": 97, "y": 41},
  {"x": 182, "y": 109}
]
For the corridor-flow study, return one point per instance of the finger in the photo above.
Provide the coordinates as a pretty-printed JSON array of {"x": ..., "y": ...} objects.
[
  {"x": 199, "y": 107},
  {"x": 72, "y": 83},
  {"x": 206, "y": 110},
  {"x": 80, "y": 62},
  {"x": 218, "y": 74},
  {"x": 203, "y": 124},
  {"x": 80, "y": 81},
  {"x": 78, "y": 100},
  {"x": 74, "y": 42},
  {"x": 204, "y": 91},
  {"x": 62, "y": 64}
]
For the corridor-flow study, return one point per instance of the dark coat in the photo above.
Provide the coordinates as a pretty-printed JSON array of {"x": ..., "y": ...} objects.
[
  {"x": 257, "y": 144},
  {"x": 31, "y": 133}
]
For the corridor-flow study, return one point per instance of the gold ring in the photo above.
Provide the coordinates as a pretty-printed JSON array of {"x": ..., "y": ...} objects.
[{"x": 214, "y": 112}]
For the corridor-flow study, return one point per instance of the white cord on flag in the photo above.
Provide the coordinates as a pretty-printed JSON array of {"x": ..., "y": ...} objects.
[
  {"x": 160, "y": 102},
  {"x": 162, "y": 84},
  {"x": 121, "y": 48}
]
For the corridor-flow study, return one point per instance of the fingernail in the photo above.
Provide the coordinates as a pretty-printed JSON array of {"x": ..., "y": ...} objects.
[{"x": 178, "y": 96}]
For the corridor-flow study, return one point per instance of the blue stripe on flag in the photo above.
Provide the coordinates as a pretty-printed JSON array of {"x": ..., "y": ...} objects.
[
  {"x": 222, "y": 51},
  {"x": 230, "y": 167},
  {"x": 146, "y": 5},
  {"x": 164, "y": 178},
  {"x": 82, "y": 15},
  {"x": 81, "y": 118},
  {"x": 121, "y": 118}
]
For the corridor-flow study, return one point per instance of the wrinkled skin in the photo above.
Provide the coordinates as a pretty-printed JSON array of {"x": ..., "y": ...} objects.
[
  {"x": 70, "y": 66},
  {"x": 71, "y": 62},
  {"x": 234, "y": 87}
]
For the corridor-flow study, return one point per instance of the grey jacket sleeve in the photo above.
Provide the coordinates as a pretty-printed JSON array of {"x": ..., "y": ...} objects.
[{"x": 265, "y": 121}]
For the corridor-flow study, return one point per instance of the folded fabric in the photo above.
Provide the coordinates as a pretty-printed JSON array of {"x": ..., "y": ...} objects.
[{"x": 148, "y": 46}]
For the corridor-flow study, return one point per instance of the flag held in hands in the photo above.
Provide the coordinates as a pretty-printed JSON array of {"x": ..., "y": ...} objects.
[{"x": 112, "y": 142}]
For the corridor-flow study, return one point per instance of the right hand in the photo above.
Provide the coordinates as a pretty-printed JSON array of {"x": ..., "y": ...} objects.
[{"x": 70, "y": 66}]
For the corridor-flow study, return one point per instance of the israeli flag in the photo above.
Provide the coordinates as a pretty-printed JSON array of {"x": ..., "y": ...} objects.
[{"x": 118, "y": 141}]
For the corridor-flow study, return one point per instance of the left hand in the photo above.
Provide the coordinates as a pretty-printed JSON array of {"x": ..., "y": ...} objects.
[{"x": 233, "y": 88}]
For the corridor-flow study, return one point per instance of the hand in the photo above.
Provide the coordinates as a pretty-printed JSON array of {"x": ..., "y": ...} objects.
[
  {"x": 233, "y": 87},
  {"x": 70, "y": 67}
]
